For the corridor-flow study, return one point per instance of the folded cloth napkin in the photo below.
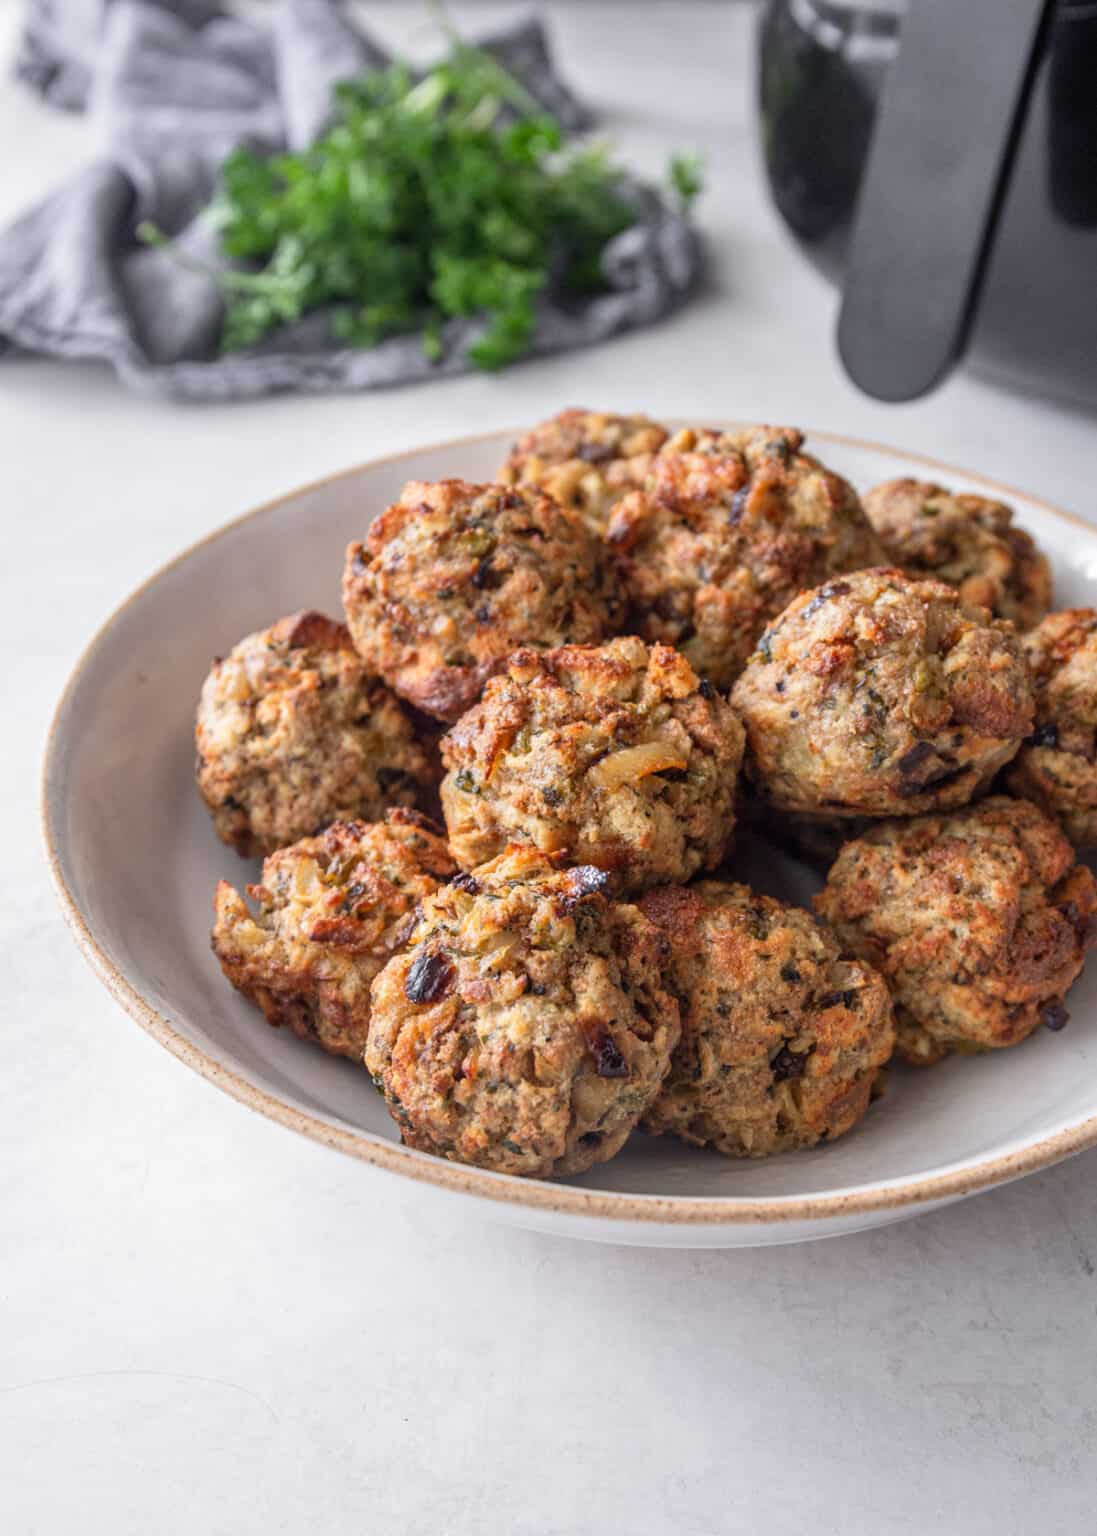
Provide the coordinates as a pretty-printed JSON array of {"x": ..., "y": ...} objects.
[{"x": 173, "y": 86}]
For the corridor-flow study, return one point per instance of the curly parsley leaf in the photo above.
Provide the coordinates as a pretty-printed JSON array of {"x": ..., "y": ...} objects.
[
  {"x": 448, "y": 196},
  {"x": 687, "y": 177}
]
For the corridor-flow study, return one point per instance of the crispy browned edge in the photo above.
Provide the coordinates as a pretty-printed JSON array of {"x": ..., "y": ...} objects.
[{"x": 675, "y": 1210}]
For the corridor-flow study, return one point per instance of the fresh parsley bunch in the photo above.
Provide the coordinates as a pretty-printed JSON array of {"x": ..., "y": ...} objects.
[{"x": 448, "y": 195}]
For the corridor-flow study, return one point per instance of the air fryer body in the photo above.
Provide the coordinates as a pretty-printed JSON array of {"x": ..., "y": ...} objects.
[{"x": 823, "y": 65}]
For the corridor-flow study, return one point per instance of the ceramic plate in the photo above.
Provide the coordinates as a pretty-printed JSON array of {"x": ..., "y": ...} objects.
[{"x": 120, "y": 757}]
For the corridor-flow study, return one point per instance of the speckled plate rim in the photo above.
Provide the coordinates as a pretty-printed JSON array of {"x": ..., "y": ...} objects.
[{"x": 684, "y": 1210}]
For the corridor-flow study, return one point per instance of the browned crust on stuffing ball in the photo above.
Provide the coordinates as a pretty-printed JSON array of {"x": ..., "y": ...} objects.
[
  {"x": 446, "y": 692},
  {"x": 877, "y": 694},
  {"x": 585, "y": 460},
  {"x": 1057, "y": 765},
  {"x": 979, "y": 920},
  {"x": 292, "y": 732},
  {"x": 454, "y": 577},
  {"x": 782, "y": 1038},
  {"x": 614, "y": 755},
  {"x": 526, "y": 1027},
  {"x": 309, "y": 630},
  {"x": 728, "y": 528},
  {"x": 330, "y": 911},
  {"x": 968, "y": 541}
]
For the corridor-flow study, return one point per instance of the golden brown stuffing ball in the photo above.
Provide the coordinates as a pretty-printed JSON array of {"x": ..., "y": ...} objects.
[
  {"x": 729, "y": 527},
  {"x": 968, "y": 541},
  {"x": 1057, "y": 765},
  {"x": 585, "y": 460},
  {"x": 613, "y": 755},
  {"x": 454, "y": 577},
  {"x": 881, "y": 695},
  {"x": 979, "y": 921},
  {"x": 293, "y": 733},
  {"x": 526, "y": 1028},
  {"x": 331, "y": 911},
  {"x": 782, "y": 1038}
]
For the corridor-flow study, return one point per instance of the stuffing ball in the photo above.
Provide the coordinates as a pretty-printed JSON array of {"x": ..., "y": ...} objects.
[
  {"x": 613, "y": 755},
  {"x": 1057, "y": 765},
  {"x": 454, "y": 577},
  {"x": 331, "y": 911},
  {"x": 979, "y": 920},
  {"x": 880, "y": 695},
  {"x": 526, "y": 1028},
  {"x": 782, "y": 1039},
  {"x": 293, "y": 733},
  {"x": 729, "y": 527},
  {"x": 585, "y": 460},
  {"x": 968, "y": 541}
]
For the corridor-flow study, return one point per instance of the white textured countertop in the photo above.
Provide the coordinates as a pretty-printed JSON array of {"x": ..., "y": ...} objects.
[{"x": 208, "y": 1325}]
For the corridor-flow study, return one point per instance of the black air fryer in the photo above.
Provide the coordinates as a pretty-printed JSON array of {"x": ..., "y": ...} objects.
[{"x": 939, "y": 159}]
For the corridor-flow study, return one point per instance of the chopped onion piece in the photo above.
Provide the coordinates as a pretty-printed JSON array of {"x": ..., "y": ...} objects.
[{"x": 633, "y": 763}]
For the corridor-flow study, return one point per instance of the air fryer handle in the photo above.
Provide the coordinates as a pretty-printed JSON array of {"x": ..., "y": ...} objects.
[{"x": 938, "y": 166}]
